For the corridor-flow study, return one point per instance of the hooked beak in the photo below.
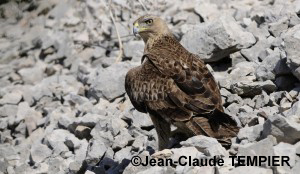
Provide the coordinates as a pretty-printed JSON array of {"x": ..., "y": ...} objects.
[{"x": 135, "y": 28}]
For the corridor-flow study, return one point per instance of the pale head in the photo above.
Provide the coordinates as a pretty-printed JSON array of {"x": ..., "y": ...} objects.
[{"x": 149, "y": 26}]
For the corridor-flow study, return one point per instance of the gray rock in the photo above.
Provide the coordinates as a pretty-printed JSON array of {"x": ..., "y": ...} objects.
[
  {"x": 253, "y": 52},
  {"x": 39, "y": 152},
  {"x": 122, "y": 139},
  {"x": 194, "y": 170},
  {"x": 207, "y": 145},
  {"x": 56, "y": 140},
  {"x": 233, "y": 108},
  {"x": 295, "y": 110},
  {"x": 102, "y": 132},
  {"x": 135, "y": 50},
  {"x": 9, "y": 153},
  {"x": 206, "y": 10},
  {"x": 3, "y": 166},
  {"x": 217, "y": 39},
  {"x": 139, "y": 142},
  {"x": 38, "y": 70},
  {"x": 158, "y": 170},
  {"x": 75, "y": 166},
  {"x": 261, "y": 148},
  {"x": 260, "y": 32},
  {"x": 124, "y": 153},
  {"x": 261, "y": 100},
  {"x": 250, "y": 89},
  {"x": 96, "y": 150},
  {"x": 29, "y": 115},
  {"x": 296, "y": 168},
  {"x": 284, "y": 149},
  {"x": 283, "y": 129},
  {"x": 193, "y": 152},
  {"x": 11, "y": 98},
  {"x": 135, "y": 169},
  {"x": 109, "y": 83},
  {"x": 279, "y": 26},
  {"x": 88, "y": 120},
  {"x": 141, "y": 119},
  {"x": 250, "y": 170},
  {"x": 266, "y": 70},
  {"x": 237, "y": 58},
  {"x": 8, "y": 111},
  {"x": 292, "y": 38},
  {"x": 251, "y": 134},
  {"x": 59, "y": 10}
]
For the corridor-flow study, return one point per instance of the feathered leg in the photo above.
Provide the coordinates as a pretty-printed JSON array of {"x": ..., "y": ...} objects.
[{"x": 163, "y": 129}]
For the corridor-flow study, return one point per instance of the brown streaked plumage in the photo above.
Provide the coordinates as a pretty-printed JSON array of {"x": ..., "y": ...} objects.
[{"x": 175, "y": 87}]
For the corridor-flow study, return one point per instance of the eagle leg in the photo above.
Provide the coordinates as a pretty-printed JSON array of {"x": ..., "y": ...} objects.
[{"x": 163, "y": 130}]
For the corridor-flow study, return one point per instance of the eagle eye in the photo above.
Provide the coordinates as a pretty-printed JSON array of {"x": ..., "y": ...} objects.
[{"x": 149, "y": 21}]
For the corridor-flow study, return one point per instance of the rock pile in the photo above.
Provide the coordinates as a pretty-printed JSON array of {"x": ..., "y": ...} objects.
[{"x": 63, "y": 107}]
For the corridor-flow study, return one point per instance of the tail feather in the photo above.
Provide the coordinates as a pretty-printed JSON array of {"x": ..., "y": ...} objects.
[{"x": 218, "y": 125}]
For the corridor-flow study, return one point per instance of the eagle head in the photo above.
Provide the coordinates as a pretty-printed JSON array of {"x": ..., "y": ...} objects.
[{"x": 150, "y": 26}]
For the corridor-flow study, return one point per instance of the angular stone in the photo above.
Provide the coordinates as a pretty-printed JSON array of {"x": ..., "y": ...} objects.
[
  {"x": 295, "y": 110},
  {"x": 217, "y": 39},
  {"x": 260, "y": 148},
  {"x": 247, "y": 88},
  {"x": 135, "y": 169},
  {"x": 109, "y": 83},
  {"x": 56, "y": 140},
  {"x": 251, "y": 170},
  {"x": 283, "y": 129},
  {"x": 207, "y": 145},
  {"x": 8, "y": 111},
  {"x": 11, "y": 98},
  {"x": 135, "y": 50},
  {"x": 39, "y": 152},
  {"x": 251, "y": 134},
  {"x": 253, "y": 52},
  {"x": 158, "y": 170},
  {"x": 122, "y": 139},
  {"x": 95, "y": 151},
  {"x": 292, "y": 38},
  {"x": 124, "y": 153}
]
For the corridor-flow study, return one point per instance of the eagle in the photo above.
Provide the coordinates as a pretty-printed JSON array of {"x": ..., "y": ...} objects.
[{"x": 175, "y": 87}]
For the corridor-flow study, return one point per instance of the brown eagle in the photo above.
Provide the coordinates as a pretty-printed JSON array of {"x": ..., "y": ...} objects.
[{"x": 175, "y": 87}]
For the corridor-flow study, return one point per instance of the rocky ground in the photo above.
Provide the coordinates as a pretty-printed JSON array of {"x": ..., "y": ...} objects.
[{"x": 63, "y": 107}]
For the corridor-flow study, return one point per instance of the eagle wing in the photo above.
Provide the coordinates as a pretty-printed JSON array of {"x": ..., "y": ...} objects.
[{"x": 188, "y": 72}]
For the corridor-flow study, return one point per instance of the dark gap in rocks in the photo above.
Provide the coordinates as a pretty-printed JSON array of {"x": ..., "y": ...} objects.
[
  {"x": 127, "y": 120},
  {"x": 112, "y": 100},
  {"x": 127, "y": 58},
  {"x": 3, "y": 1},
  {"x": 150, "y": 150},
  {"x": 130, "y": 142},
  {"x": 23, "y": 54},
  {"x": 62, "y": 100},
  {"x": 147, "y": 128},
  {"x": 31, "y": 162},
  {"x": 271, "y": 34},
  {"x": 201, "y": 18},
  {"x": 44, "y": 111},
  {"x": 116, "y": 149},
  {"x": 221, "y": 65}
]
